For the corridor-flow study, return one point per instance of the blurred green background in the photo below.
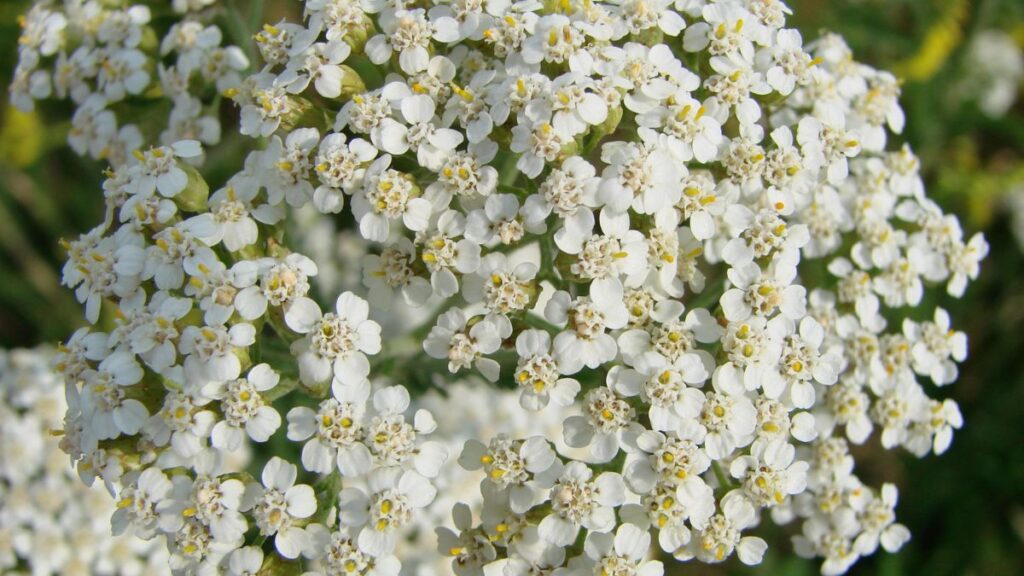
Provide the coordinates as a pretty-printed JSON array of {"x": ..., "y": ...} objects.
[{"x": 965, "y": 509}]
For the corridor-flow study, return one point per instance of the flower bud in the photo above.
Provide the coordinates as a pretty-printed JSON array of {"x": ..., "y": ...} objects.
[{"x": 193, "y": 198}]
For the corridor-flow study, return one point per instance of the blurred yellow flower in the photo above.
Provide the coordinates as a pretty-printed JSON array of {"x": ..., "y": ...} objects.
[
  {"x": 21, "y": 138},
  {"x": 940, "y": 41}
]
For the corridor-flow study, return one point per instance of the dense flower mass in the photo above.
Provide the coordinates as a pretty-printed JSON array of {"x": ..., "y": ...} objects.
[
  {"x": 678, "y": 236},
  {"x": 50, "y": 523}
]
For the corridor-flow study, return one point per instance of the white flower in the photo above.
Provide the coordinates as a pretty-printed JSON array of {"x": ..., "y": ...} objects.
[
  {"x": 288, "y": 167},
  {"x": 246, "y": 410},
  {"x": 726, "y": 29},
  {"x": 533, "y": 554},
  {"x": 640, "y": 15},
  {"x": 639, "y": 176},
  {"x": 723, "y": 534},
  {"x": 335, "y": 432},
  {"x": 585, "y": 342},
  {"x": 936, "y": 347},
  {"x": 690, "y": 132},
  {"x": 471, "y": 111},
  {"x": 578, "y": 499},
  {"x": 235, "y": 215},
  {"x": 393, "y": 497},
  {"x": 669, "y": 336},
  {"x": 625, "y": 553},
  {"x": 761, "y": 293},
  {"x": 470, "y": 549},
  {"x": 466, "y": 174},
  {"x": 393, "y": 440},
  {"x": 536, "y": 145},
  {"x": 29, "y": 85},
  {"x": 606, "y": 419},
  {"x": 181, "y": 422},
  {"x": 733, "y": 88},
  {"x": 565, "y": 47},
  {"x": 124, "y": 27},
  {"x": 102, "y": 266},
  {"x": 964, "y": 263},
  {"x": 137, "y": 503},
  {"x": 186, "y": 122},
  {"x": 337, "y": 342},
  {"x": 409, "y": 33},
  {"x": 320, "y": 63},
  {"x": 104, "y": 402},
  {"x": 154, "y": 337},
  {"x": 617, "y": 252},
  {"x": 42, "y": 31},
  {"x": 265, "y": 106},
  {"x": 391, "y": 269},
  {"x": 538, "y": 373},
  {"x": 509, "y": 465},
  {"x": 279, "y": 504},
  {"x": 247, "y": 560},
  {"x": 934, "y": 431},
  {"x": 210, "y": 351},
  {"x": 281, "y": 283},
  {"x": 671, "y": 459},
  {"x": 665, "y": 386},
  {"x": 121, "y": 73},
  {"x": 769, "y": 474},
  {"x": 855, "y": 286},
  {"x": 503, "y": 288},
  {"x": 760, "y": 234},
  {"x": 445, "y": 253},
  {"x": 570, "y": 191},
  {"x": 340, "y": 167},
  {"x": 276, "y": 42},
  {"x": 832, "y": 538},
  {"x": 996, "y": 66},
  {"x": 214, "y": 286},
  {"x": 389, "y": 195},
  {"x": 342, "y": 552},
  {"x": 828, "y": 145},
  {"x": 92, "y": 126},
  {"x": 877, "y": 518},
  {"x": 433, "y": 143},
  {"x": 802, "y": 360},
  {"x": 463, "y": 348},
  {"x": 568, "y": 107},
  {"x": 788, "y": 64},
  {"x": 500, "y": 220},
  {"x": 208, "y": 499},
  {"x": 901, "y": 282},
  {"x": 728, "y": 416},
  {"x": 164, "y": 260}
]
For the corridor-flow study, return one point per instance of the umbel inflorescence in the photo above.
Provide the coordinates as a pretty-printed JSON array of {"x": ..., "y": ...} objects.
[{"x": 675, "y": 228}]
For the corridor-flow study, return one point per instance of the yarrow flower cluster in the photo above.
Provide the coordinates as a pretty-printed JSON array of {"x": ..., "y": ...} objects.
[
  {"x": 673, "y": 227},
  {"x": 50, "y": 523},
  {"x": 105, "y": 56}
]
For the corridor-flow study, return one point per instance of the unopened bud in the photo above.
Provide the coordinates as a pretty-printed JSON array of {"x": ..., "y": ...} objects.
[{"x": 196, "y": 192}]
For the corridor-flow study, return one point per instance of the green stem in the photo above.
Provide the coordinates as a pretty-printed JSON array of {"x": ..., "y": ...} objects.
[
  {"x": 241, "y": 30},
  {"x": 283, "y": 388},
  {"x": 548, "y": 271},
  {"x": 536, "y": 321},
  {"x": 723, "y": 481}
]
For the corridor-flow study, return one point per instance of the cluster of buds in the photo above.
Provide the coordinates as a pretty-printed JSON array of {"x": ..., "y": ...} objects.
[{"x": 672, "y": 227}]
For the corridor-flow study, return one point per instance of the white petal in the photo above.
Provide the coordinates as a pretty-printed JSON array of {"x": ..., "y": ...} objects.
[{"x": 302, "y": 315}]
